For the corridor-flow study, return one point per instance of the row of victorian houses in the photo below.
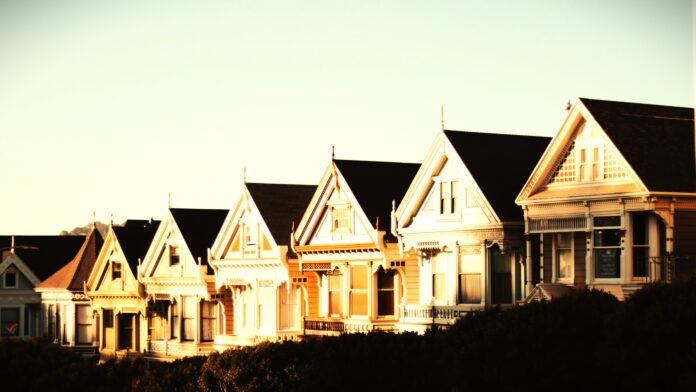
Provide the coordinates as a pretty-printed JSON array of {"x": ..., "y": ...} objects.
[{"x": 484, "y": 220}]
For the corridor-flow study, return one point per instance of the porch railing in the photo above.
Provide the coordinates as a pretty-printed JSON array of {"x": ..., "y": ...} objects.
[
  {"x": 331, "y": 326},
  {"x": 663, "y": 268},
  {"x": 427, "y": 314}
]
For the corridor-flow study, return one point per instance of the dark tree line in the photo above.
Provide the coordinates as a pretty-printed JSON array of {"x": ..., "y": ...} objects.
[{"x": 587, "y": 340}]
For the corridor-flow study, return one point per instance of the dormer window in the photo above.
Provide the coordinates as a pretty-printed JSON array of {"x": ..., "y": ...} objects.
[
  {"x": 10, "y": 279},
  {"x": 173, "y": 255},
  {"x": 340, "y": 219},
  {"x": 115, "y": 270},
  {"x": 449, "y": 197}
]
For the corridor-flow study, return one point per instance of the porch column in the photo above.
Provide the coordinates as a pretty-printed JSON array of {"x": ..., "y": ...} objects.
[
  {"x": 197, "y": 317},
  {"x": 528, "y": 265},
  {"x": 485, "y": 279},
  {"x": 454, "y": 275}
]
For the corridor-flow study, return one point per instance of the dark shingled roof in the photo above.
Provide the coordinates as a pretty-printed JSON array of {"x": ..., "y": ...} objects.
[
  {"x": 44, "y": 254},
  {"x": 376, "y": 185},
  {"x": 73, "y": 274},
  {"x": 199, "y": 228},
  {"x": 500, "y": 165},
  {"x": 135, "y": 237},
  {"x": 657, "y": 141},
  {"x": 280, "y": 205}
]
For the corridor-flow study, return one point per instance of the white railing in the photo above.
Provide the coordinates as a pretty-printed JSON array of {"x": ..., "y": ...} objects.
[{"x": 576, "y": 223}]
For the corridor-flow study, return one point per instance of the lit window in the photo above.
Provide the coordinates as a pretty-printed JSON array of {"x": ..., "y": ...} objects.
[
  {"x": 10, "y": 279},
  {"x": 335, "y": 295},
  {"x": 449, "y": 197},
  {"x": 358, "y": 290},
  {"x": 469, "y": 288},
  {"x": 340, "y": 218},
  {"x": 438, "y": 280},
  {"x": 563, "y": 243}
]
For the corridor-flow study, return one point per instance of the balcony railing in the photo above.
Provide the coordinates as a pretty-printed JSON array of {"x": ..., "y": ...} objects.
[
  {"x": 333, "y": 326},
  {"x": 663, "y": 268}
]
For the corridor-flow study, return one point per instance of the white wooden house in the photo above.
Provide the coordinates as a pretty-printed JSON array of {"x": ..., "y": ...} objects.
[
  {"x": 256, "y": 267},
  {"x": 184, "y": 310},
  {"x": 460, "y": 220}
]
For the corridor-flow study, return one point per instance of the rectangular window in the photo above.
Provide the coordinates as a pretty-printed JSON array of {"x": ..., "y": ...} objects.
[
  {"x": 641, "y": 245},
  {"x": 175, "y": 320},
  {"x": 10, "y": 280},
  {"x": 9, "y": 322},
  {"x": 173, "y": 255},
  {"x": 115, "y": 270},
  {"x": 250, "y": 237},
  {"x": 358, "y": 290},
  {"x": 563, "y": 247},
  {"x": 335, "y": 294},
  {"x": 188, "y": 318},
  {"x": 385, "y": 292},
  {"x": 266, "y": 305},
  {"x": 83, "y": 320},
  {"x": 449, "y": 197},
  {"x": 469, "y": 288},
  {"x": 290, "y": 306},
  {"x": 108, "y": 318},
  {"x": 341, "y": 219},
  {"x": 607, "y": 247},
  {"x": 208, "y": 316},
  {"x": 438, "y": 267}
]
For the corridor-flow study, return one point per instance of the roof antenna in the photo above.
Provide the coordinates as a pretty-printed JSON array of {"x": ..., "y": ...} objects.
[{"x": 442, "y": 117}]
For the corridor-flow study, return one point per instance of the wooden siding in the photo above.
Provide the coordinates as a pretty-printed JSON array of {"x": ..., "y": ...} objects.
[
  {"x": 548, "y": 258},
  {"x": 228, "y": 304},
  {"x": 685, "y": 233},
  {"x": 310, "y": 286},
  {"x": 580, "y": 250},
  {"x": 411, "y": 272}
]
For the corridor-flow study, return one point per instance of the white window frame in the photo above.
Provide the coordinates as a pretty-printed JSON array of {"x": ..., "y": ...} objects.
[
  {"x": 556, "y": 261},
  {"x": 593, "y": 248},
  {"x": 454, "y": 200},
  {"x": 346, "y": 215}
]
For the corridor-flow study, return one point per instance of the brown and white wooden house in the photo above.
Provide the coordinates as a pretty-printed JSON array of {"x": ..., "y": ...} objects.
[
  {"x": 25, "y": 262},
  {"x": 184, "y": 310},
  {"x": 460, "y": 220},
  {"x": 255, "y": 265},
  {"x": 344, "y": 240},
  {"x": 73, "y": 323},
  {"x": 611, "y": 204},
  {"x": 116, "y": 297}
]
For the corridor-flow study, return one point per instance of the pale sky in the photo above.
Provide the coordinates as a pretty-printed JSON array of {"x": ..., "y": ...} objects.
[{"x": 109, "y": 106}]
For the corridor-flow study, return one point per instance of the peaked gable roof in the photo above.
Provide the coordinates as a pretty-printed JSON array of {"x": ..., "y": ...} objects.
[
  {"x": 376, "y": 184},
  {"x": 135, "y": 237},
  {"x": 281, "y": 205},
  {"x": 513, "y": 155},
  {"x": 199, "y": 227},
  {"x": 44, "y": 254},
  {"x": 657, "y": 141},
  {"x": 73, "y": 274}
]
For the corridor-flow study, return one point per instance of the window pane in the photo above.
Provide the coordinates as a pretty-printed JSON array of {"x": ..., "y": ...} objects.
[
  {"x": 439, "y": 287},
  {"x": 607, "y": 263},
  {"x": 84, "y": 323},
  {"x": 108, "y": 321},
  {"x": 385, "y": 303},
  {"x": 607, "y": 221},
  {"x": 10, "y": 279},
  {"x": 9, "y": 322},
  {"x": 607, "y": 237},
  {"x": 565, "y": 263},
  {"x": 335, "y": 302},
  {"x": 358, "y": 303},
  {"x": 358, "y": 277},
  {"x": 564, "y": 240},
  {"x": 469, "y": 288},
  {"x": 640, "y": 229},
  {"x": 455, "y": 196},
  {"x": 385, "y": 280},
  {"x": 640, "y": 261}
]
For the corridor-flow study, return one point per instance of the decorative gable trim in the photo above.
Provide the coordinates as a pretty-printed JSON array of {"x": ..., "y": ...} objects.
[{"x": 15, "y": 260}]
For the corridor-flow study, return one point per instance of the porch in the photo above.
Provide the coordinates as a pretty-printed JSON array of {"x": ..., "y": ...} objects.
[
  {"x": 163, "y": 349},
  {"x": 334, "y": 326}
]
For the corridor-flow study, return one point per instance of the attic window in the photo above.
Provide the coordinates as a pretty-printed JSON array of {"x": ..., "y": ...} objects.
[
  {"x": 115, "y": 270},
  {"x": 250, "y": 237},
  {"x": 10, "y": 279},
  {"x": 449, "y": 197},
  {"x": 173, "y": 255},
  {"x": 340, "y": 219}
]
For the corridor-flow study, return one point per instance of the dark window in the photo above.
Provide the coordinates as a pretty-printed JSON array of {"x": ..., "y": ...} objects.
[
  {"x": 115, "y": 270},
  {"x": 641, "y": 245},
  {"x": 469, "y": 288},
  {"x": 173, "y": 255},
  {"x": 10, "y": 279},
  {"x": 607, "y": 221},
  {"x": 108, "y": 318},
  {"x": 385, "y": 292}
]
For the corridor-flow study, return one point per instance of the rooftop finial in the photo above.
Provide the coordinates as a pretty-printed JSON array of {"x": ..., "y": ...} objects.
[
  {"x": 244, "y": 175},
  {"x": 94, "y": 219},
  {"x": 568, "y": 106},
  {"x": 333, "y": 153},
  {"x": 169, "y": 200},
  {"x": 12, "y": 245},
  {"x": 112, "y": 219},
  {"x": 442, "y": 117}
]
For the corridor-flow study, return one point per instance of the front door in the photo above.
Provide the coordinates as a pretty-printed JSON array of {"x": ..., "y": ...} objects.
[
  {"x": 125, "y": 331},
  {"x": 501, "y": 276}
]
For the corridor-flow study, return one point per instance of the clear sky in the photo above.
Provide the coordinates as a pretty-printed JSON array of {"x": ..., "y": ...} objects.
[{"x": 108, "y": 106}]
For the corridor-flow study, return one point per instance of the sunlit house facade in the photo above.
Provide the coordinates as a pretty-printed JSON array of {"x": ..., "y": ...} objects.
[
  {"x": 459, "y": 219},
  {"x": 256, "y": 268},
  {"x": 344, "y": 241},
  {"x": 611, "y": 204}
]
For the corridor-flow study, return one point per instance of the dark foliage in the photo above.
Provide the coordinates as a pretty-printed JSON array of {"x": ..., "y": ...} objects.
[{"x": 585, "y": 340}]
